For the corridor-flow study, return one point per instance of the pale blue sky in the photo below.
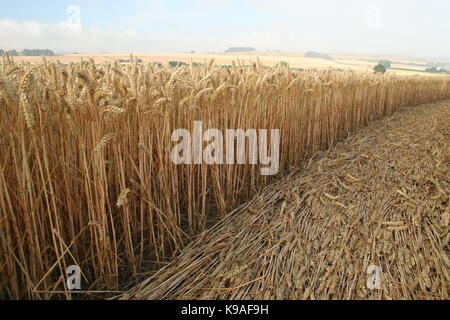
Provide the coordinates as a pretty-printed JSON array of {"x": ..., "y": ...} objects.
[{"x": 404, "y": 27}]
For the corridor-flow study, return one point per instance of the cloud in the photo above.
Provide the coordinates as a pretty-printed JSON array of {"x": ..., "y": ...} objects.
[{"x": 66, "y": 37}]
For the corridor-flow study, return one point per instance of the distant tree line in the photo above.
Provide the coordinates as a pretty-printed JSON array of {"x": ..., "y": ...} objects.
[
  {"x": 312, "y": 54},
  {"x": 37, "y": 52},
  {"x": 12, "y": 53},
  {"x": 177, "y": 64},
  {"x": 240, "y": 49},
  {"x": 129, "y": 60},
  {"x": 28, "y": 52},
  {"x": 437, "y": 70},
  {"x": 438, "y": 65}
]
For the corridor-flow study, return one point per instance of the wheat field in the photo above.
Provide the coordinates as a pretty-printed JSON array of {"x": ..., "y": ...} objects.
[{"x": 85, "y": 172}]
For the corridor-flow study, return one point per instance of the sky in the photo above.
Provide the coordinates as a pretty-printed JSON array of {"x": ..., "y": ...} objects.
[{"x": 415, "y": 28}]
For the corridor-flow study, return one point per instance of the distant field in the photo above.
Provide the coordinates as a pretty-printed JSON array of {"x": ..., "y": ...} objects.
[{"x": 400, "y": 66}]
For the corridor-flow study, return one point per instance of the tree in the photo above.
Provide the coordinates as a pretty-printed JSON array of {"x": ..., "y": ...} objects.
[
  {"x": 379, "y": 68},
  {"x": 385, "y": 63}
]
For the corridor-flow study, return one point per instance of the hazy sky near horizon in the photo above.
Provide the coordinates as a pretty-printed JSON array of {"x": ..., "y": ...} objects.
[{"x": 402, "y": 27}]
